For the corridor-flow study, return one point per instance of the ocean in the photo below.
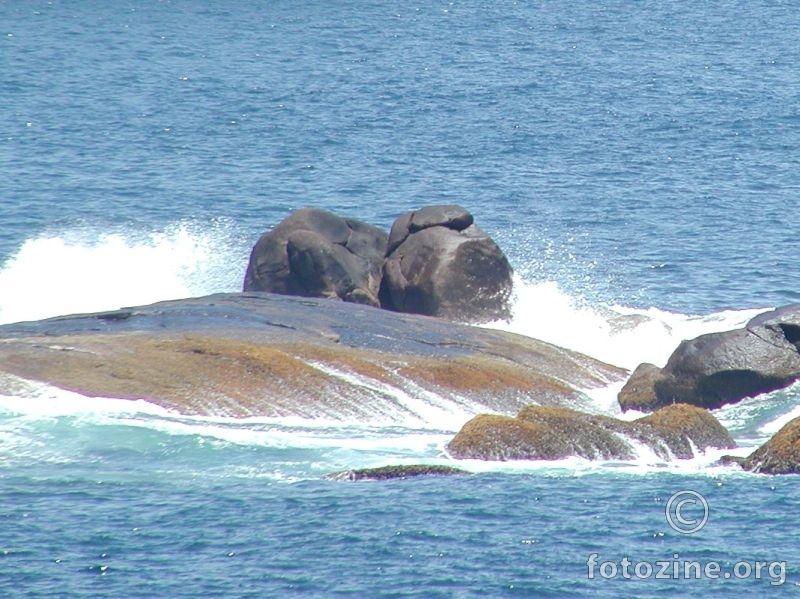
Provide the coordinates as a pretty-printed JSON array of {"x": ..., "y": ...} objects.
[{"x": 638, "y": 162}]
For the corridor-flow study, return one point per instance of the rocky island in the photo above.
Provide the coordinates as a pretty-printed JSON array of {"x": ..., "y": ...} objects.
[{"x": 398, "y": 343}]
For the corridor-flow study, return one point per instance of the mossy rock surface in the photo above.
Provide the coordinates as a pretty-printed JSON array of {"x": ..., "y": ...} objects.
[
  {"x": 779, "y": 455},
  {"x": 550, "y": 433}
]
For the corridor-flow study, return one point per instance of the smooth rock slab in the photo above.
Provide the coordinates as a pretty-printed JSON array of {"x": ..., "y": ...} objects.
[{"x": 261, "y": 354}]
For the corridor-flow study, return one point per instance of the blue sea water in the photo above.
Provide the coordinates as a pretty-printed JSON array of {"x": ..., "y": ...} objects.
[{"x": 631, "y": 158}]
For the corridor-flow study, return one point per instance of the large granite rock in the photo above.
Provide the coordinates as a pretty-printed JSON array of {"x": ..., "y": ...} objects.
[
  {"x": 722, "y": 368},
  {"x": 260, "y": 354},
  {"x": 439, "y": 263},
  {"x": 779, "y": 455},
  {"x": 551, "y": 433},
  {"x": 315, "y": 253}
]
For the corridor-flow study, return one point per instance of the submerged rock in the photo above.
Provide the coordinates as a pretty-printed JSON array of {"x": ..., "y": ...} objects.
[
  {"x": 551, "y": 433},
  {"x": 315, "y": 253},
  {"x": 779, "y": 455},
  {"x": 260, "y": 354},
  {"x": 722, "y": 368},
  {"x": 439, "y": 263},
  {"x": 393, "y": 472}
]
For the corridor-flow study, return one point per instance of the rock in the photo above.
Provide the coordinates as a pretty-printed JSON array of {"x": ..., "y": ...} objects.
[
  {"x": 315, "y": 253},
  {"x": 780, "y": 327},
  {"x": 440, "y": 263},
  {"x": 722, "y": 368},
  {"x": 639, "y": 392},
  {"x": 393, "y": 472},
  {"x": 551, "y": 433},
  {"x": 452, "y": 217},
  {"x": 260, "y": 354},
  {"x": 679, "y": 427},
  {"x": 779, "y": 455}
]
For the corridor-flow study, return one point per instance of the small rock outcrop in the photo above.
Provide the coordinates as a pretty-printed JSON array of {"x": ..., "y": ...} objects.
[
  {"x": 551, "y": 433},
  {"x": 315, "y": 253},
  {"x": 639, "y": 392},
  {"x": 439, "y": 263},
  {"x": 722, "y": 368},
  {"x": 394, "y": 472},
  {"x": 779, "y": 455}
]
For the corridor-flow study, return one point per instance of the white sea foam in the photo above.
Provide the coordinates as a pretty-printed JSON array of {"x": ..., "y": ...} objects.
[
  {"x": 754, "y": 420},
  {"x": 333, "y": 445},
  {"x": 704, "y": 464},
  {"x": 792, "y": 407},
  {"x": 617, "y": 335},
  {"x": 412, "y": 405},
  {"x": 39, "y": 400},
  {"x": 83, "y": 271},
  {"x": 36, "y": 401}
]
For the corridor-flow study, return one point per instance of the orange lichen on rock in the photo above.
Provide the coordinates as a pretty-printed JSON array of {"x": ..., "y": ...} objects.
[
  {"x": 779, "y": 455},
  {"x": 551, "y": 432}
]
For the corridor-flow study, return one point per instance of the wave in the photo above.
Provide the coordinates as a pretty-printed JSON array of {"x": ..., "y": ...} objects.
[
  {"x": 57, "y": 427},
  {"x": 44, "y": 424},
  {"x": 615, "y": 334},
  {"x": 88, "y": 271}
]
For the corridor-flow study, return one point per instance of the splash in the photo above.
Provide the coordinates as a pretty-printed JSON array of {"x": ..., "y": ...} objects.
[
  {"x": 617, "y": 335},
  {"x": 89, "y": 272}
]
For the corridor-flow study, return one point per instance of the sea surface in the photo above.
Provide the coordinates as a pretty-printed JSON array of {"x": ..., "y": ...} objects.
[{"x": 632, "y": 159}]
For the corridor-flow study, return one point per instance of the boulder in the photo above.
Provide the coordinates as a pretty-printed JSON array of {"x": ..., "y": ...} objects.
[
  {"x": 439, "y": 263},
  {"x": 551, "y": 433},
  {"x": 315, "y": 253},
  {"x": 394, "y": 472},
  {"x": 722, "y": 368},
  {"x": 679, "y": 428},
  {"x": 639, "y": 392},
  {"x": 779, "y": 455}
]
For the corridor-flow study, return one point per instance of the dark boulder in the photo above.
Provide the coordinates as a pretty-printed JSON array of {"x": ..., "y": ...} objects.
[
  {"x": 440, "y": 263},
  {"x": 550, "y": 433},
  {"x": 639, "y": 392},
  {"x": 779, "y": 455},
  {"x": 394, "y": 472},
  {"x": 722, "y": 368},
  {"x": 314, "y": 253},
  {"x": 780, "y": 327}
]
